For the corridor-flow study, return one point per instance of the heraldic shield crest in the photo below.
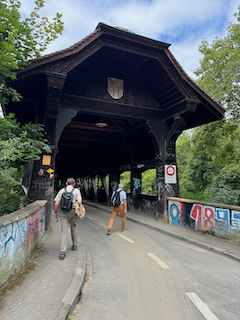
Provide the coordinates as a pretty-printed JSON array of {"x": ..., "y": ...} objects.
[{"x": 115, "y": 87}]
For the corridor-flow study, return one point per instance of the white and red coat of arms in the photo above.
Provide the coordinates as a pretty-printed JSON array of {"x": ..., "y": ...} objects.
[{"x": 115, "y": 87}]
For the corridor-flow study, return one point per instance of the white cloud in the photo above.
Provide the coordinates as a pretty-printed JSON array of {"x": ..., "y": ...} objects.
[{"x": 183, "y": 23}]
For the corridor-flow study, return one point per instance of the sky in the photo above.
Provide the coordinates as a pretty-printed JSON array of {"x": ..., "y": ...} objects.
[{"x": 182, "y": 23}]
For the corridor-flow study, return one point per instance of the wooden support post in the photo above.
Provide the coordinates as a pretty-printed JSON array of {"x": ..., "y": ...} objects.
[
  {"x": 94, "y": 188},
  {"x": 85, "y": 184},
  {"x": 106, "y": 188},
  {"x": 43, "y": 170},
  {"x": 113, "y": 183},
  {"x": 136, "y": 187},
  {"x": 164, "y": 136},
  {"x": 42, "y": 183}
]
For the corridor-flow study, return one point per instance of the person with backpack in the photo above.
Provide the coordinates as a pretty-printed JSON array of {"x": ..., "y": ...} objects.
[
  {"x": 66, "y": 199},
  {"x": 119, "y": 204}
]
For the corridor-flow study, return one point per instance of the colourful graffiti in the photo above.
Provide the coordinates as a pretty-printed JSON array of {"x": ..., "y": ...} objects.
[
  {"x": 136, "y": 183},
  {"x": 17, "y": 241},
  {"x": 205, "y": 217}
]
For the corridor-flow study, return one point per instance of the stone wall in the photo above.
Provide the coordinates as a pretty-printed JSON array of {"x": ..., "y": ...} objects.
[{"x": 20, "y": 233}]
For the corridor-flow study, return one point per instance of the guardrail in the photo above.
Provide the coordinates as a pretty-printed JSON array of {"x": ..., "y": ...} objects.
[{"x": 20, "y": 233}]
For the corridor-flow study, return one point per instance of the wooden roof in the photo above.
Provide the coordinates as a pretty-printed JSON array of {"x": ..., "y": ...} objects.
[
  {"x": 151, "y": 60},
  {"x": 160, "y": 90}
]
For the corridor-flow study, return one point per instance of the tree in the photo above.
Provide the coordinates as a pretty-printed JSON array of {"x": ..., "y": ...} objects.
[
  {"x": 22, "y": 40},
  {"x": 225, "y": 187},
  {"x": 219, "y": 71},
  {"x": 125, "y": 178},
  {"x": 206, "y": 159},
  {"x": 149, "y": 181},
  {"x": 210, "y": 171},
  {"x": 18, "y": 144}
]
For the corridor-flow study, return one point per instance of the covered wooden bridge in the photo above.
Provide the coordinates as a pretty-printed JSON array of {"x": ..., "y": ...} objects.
[{"x": 114, "y": 101}]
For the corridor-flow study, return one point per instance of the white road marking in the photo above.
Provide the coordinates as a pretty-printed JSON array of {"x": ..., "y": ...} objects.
[
  {"x": 207, "y": 313},
  {"x": 159, "y": 261},
  {"x": 89, "y": 217},
  {"x": 126, "y": 238}
]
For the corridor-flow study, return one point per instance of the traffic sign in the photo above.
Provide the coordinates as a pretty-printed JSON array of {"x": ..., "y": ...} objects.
[{"x": 170, "y": 174}]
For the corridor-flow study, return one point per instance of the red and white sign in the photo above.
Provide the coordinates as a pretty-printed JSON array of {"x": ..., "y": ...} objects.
[{"x": 170, "y": 174}]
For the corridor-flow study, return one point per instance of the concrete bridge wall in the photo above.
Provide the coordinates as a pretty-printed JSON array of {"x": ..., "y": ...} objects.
[
  {"x": 20, "y": 233},
  {"x": 217, "y": 219}
]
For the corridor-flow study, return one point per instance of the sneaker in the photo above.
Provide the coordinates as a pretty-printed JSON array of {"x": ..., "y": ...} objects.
[
  {"x": 62, "y": 255},
  {"x": 109, "y": 232},
  {"x": 74, "y": 248},
  {"x": 123, "y": 230}
]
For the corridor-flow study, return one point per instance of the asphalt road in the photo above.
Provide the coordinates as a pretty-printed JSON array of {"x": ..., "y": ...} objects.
[{"x": 143, "y": 274}]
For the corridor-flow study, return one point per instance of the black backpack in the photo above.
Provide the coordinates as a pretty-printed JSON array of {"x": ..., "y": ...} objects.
[
  {"x": 67, "y": 200},
  {"x": 116, "y": 199}
]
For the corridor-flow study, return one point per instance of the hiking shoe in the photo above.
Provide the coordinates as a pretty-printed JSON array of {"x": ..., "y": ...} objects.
[
  {"x": 62, "y": 255},
  {"x": 74, "y": 248},
  {"x": 109, "y": 232}
]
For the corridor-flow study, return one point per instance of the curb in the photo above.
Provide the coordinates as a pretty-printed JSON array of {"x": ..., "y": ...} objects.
[{"x": 71, "y": 297}]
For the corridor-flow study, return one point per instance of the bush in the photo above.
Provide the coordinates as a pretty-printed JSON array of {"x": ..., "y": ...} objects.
[
  {"x": 18, "y": 144},
  {"x": 225, "y": 187}
]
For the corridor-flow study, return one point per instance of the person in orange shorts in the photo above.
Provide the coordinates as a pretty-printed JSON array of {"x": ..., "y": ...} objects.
[{"x": 122, "y": 209}]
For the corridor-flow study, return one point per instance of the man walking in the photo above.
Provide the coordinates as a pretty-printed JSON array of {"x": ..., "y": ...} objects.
[
  {"x": 68, "y": 216},
  {"x": 122, "y": 209}
]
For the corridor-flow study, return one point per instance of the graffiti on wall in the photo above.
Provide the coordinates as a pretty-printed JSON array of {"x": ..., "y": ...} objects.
[
  {"x": 205, "y": 217},
  {"x": 44, "y": 184},
  {"x": 136, "y": 183},
  {"x": 149, "y": 206},
  {"x": 18, "y": 239}
]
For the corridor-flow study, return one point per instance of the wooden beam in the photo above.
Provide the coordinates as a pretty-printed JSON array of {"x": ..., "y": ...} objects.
[
  {"x": 185, "y": 108},
  {"x": 93, "y": 127},
  {"x": 114, "y": 109},
  {"x": 173, "y": 73}
]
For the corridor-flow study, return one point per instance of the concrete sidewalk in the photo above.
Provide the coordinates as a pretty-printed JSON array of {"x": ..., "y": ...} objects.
[{"x": 52, "y": 290}]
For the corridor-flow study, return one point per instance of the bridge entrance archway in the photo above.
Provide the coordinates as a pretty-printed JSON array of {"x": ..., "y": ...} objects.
[{"x": 112, "y": 102}]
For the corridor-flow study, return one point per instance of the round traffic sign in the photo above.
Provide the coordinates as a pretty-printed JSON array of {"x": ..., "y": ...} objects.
[{"x": 170, "y": 170}]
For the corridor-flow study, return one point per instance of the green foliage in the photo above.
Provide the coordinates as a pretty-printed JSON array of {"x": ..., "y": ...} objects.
[
  {"x": 206, "y": 156},
  {"x": 149, "y": 182},
  {"x": 125, "y": 178},
  {"x": 219, "y": 72},
  {"x": 18, "y": 144},
  {"x": 22, "y": 40},
  {"x": 225, "y": 187}
]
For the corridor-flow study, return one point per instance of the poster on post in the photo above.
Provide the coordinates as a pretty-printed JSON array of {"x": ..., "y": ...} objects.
[{"x": 170, "y": 174}]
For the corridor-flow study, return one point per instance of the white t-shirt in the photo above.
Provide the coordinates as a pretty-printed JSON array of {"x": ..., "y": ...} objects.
[{"x": 76, "y": 194}]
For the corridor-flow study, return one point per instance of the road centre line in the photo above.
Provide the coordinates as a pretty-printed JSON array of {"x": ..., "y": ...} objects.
[
  {"x": 126, "y": 238},
  {"x": 206, "y": 312},
  {"x": 159, "y": 261}
]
